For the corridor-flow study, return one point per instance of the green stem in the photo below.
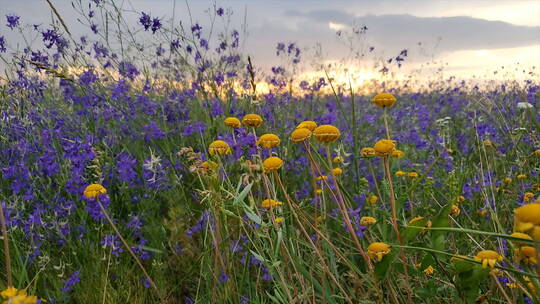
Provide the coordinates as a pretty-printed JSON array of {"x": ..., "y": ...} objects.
[{"x": 7, "y": 257}]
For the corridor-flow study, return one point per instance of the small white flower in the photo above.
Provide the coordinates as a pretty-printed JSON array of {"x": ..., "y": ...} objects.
[{"x": 524, "y": 105}]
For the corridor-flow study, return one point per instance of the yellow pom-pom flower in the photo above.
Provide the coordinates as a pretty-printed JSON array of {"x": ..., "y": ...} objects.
[
  {"x": 384, "y": 100},
  {"x": 252, "y": 120},
  {"x": 527, "y": 196},
  {"x": 367, "y": 221},
  {"x": 412, "y": 175},
  {"x": 372, "y": 199},
  {"x": 397, "y": 154},
  {"x": 338, "y": 160},
  {"x": 526, "y": 255},
  {"x": 537, "y": 152},
  {"x": 219, "y": 147},
  {"x": 522, "y": 176},
  {"x": 300, "y": 135},
  {"x": 488, "y": 258},
  {"x": 378, "y": 250},
  {"x": 400, "y": 173},
  {"x": 521, "y": 236},
  {"x": 367, "y": 152},
  {"x": 429, "y": 270},
  {"x": 527, "y": 220},
  {"x": 337, "y": 171},
  {"x": 326, "y": 133},
  {"x": 272, "y": 164},
  {"x": 94, "y": 191},
  {"x": 384, "y": 147},
  {"x": 269, "y": 141},
  {"x": 308, "y": 124},
  {"x": 271, "y": 204},
  {"x": 232, "y": 122},
  {"x": 455, "y": 211}
]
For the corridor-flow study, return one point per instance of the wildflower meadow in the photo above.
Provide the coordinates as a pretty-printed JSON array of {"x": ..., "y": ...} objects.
[{"x": 155, "y": 161}]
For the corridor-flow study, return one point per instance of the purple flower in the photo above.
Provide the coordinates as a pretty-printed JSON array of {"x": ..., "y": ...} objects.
[
  {"x": 12, "y": 21},
  {"x": 156, "y": 25},
  {"x": 220, "y": 11},
  {"x": 127, "y": 69},
  {"x": 152, "y": 131},
  {"x": 223, "y": 277},
  {"x": 71, "y": 281},
  {"x": 112, "y": 241},
  {"x": 2, "y": 44},
  {"x": 145, "y": 20}
]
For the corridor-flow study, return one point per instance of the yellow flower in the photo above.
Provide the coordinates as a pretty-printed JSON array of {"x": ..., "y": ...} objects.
[
  {"x": 372, "y": 199},
  {"x": 318, "y": 191},
  {"x": 270, "y": 204},
  {"x": 232, "y": 122},
  {"x": 326, "y": 133},
  {"x": 507, "y": 180},
  {"x": 300, "y": 135},
  {"x": 526, "y": 255},
  {"x": 384, "y": 147},
  {"x": 268, "y": 141},
  {"x": 527, "y": 220},
  {"x": 368, "y": 221},
  {"x": 400, "y": 173},
  {"x": 488, "y": 258},
  {"x": 530, "y": 284},
  {"x": 419, "y": 218},
  {"x": 9, "y": 292},
  {"x": 522, "y": 176},
  {"x": 14, "y": 296},
  {"x": 536, "y": 187},
  {"x": 308, "y": 124},
  {"x": 219, "y": 147},
  {"x": 367, "y": 152},
  {"x": 272, "y": 164},
  {"x": 512, "y": 285},
  {"x": 521, "y": 236},
  {"x": 209, "y": 165},
  {"x": 429, "y": 270},
  {"x": 94, "y": 191},
  {"x": 338, "y": 160},
  {"x": 337, "y": 171},
  {"x": 319, "y": 219},
  {"x": 416, "y": 219},
  {"x": 537, "y": 152},
  {"x": 460, "y": 199},
  {"x": 398, "y": 154},
  {"x": 278, "y": 220},
  {"x": 455, "y": 210},
  {"x": 322, "y": 178},
  {"x": 378, "y": 250},
  {"x": 481, "y": 212},
  {"x": 252, "y": 120},
  {"x": 412, "y": 175},
  {"x": 384, "y": 100},
  {"x": 527, "y": 196},
  {"x": 488, "y": 143}
]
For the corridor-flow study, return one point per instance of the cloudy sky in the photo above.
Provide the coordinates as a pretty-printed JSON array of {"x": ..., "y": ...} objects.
[{"x": 468, "y": 37}]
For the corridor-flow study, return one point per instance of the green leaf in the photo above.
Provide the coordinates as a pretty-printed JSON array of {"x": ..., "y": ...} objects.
[
  {"x": 240, "y": 197},
  {"x": 382, "y": 267},
  {"x": 412, "y": 230}
]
